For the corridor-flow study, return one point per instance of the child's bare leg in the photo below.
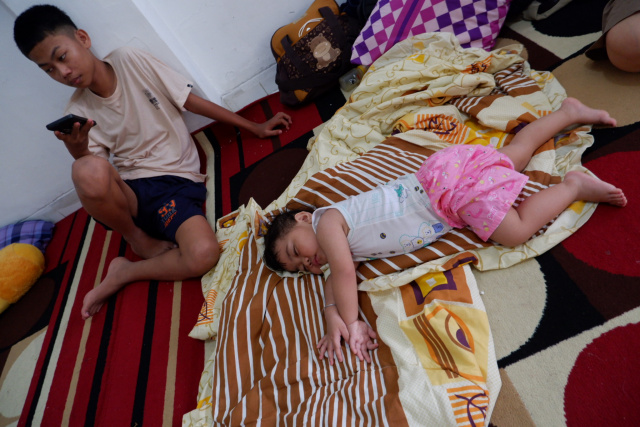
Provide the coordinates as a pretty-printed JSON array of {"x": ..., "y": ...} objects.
[
  {"x": 522, "y": 222},
  {"x": 532, "y": 136},
  {"x": 111, "y": 201},
  {"x": 197, "y": 253}
]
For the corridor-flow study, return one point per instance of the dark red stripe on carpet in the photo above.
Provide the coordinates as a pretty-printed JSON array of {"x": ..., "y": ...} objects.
[
  {"x": 72, "y": 338},
  {"x": 71, "y": 251},
  {"x": 159, "y": 361},
  {"x": 94, "y": 409},
  {"x": 145, "y": 356},
  {"x": 92, "y": 366},
  {"x": 91, "y": 410},
  {"x": 124, "y": 352}
]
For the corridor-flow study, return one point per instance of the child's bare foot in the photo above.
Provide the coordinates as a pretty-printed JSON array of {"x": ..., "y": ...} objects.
[
  {"x": 591, "y": 189},
  {"x": 111, "y": 284},
  {"x": 146, "y": 246},
  {"x": 587, "y": 115}
]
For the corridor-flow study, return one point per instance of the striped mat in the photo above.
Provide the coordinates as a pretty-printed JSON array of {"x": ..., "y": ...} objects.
[{"x": 130, "y": 364}]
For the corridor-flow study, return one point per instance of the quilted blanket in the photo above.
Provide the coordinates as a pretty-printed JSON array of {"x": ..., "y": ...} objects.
[{"x": 436, "y": 363}]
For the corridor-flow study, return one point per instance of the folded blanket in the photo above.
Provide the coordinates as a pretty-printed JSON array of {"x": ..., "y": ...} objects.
[{"x": 425, "y": 305}]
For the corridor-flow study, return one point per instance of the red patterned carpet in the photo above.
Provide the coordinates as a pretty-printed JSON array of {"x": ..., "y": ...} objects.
[
  {"x": 134, "y": 356},
  {"x": 568, "y": 349}
]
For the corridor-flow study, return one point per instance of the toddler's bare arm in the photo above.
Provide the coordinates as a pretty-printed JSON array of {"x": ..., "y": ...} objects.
[{"x": 332, "y": 238}]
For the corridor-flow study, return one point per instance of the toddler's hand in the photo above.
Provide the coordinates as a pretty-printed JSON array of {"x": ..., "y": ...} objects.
[
  {"x": 361, "y": 338},
  {"x": 336, "y": 330}
]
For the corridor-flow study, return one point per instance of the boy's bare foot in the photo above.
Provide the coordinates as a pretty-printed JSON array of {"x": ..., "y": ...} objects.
[
  {"x": 583, "y": 114},
  {"x": 111, "y": 284},
  {"x": 591, "y": 189},
  {"x": 146, "y": 246}
]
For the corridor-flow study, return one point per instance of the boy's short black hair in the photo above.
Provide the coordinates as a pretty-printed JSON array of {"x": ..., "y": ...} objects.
[
  {"x": 280, "y": 227},
  {"x": 37, "y": 23}
]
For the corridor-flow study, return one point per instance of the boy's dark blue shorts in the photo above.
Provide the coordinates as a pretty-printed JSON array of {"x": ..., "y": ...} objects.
[{"x": 165, "y": 202}]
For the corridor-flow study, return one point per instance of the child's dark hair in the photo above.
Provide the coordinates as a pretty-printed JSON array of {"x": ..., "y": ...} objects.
[
  {"x": 37, "y": 23},
  {"x": 280, "y": 226}
]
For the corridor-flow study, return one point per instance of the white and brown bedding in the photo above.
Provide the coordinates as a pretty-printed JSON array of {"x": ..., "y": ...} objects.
[{"x": 436, "y": 363}]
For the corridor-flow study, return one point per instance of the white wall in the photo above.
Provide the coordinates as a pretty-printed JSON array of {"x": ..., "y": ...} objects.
[
  {"x": 227, "y": 43},
  {"x": 224, "y": 46}
]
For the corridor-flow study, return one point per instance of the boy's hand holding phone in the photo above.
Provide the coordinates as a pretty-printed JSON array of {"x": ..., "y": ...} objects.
[
  {"x": 74, "y": 132},
  {"x": 67, "y": 123}
]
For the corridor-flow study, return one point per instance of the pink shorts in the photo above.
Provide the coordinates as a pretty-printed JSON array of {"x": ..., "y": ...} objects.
[{"x": 471, "y": 185}]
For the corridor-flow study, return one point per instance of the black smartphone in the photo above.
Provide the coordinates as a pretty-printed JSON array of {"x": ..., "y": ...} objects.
[{"x": 65, "y": 124}]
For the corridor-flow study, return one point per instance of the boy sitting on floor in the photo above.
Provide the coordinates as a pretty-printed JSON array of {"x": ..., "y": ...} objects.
[{"x": 153, "y": 193}]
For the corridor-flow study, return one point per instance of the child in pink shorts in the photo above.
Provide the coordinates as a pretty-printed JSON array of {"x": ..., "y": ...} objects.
[
  {"x": 462, "y": 185},
  {"x": 471, "y": 185}
]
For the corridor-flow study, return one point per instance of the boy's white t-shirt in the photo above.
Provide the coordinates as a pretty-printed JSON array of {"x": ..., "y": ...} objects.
[
  {"x": 391, "y": 219},
  {"x": 141, "y": 124}
]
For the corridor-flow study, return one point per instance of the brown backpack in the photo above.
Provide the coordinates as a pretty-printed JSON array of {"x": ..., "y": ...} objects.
[{"x": 313, "y": 52}]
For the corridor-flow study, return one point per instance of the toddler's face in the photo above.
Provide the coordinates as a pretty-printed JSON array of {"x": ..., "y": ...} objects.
[{"x": 298, "y": 250}]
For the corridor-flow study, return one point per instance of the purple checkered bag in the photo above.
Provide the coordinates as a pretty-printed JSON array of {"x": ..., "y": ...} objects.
[
  {"x": 33, "y": 232},
  {"x": 476, "y": 23}
]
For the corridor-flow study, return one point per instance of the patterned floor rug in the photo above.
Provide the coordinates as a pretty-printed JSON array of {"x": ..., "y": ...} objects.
[{"x": 568, "y": 341}]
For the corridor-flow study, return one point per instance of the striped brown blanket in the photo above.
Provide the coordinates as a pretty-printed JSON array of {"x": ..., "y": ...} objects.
[{"x": 436, "y": 363}]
